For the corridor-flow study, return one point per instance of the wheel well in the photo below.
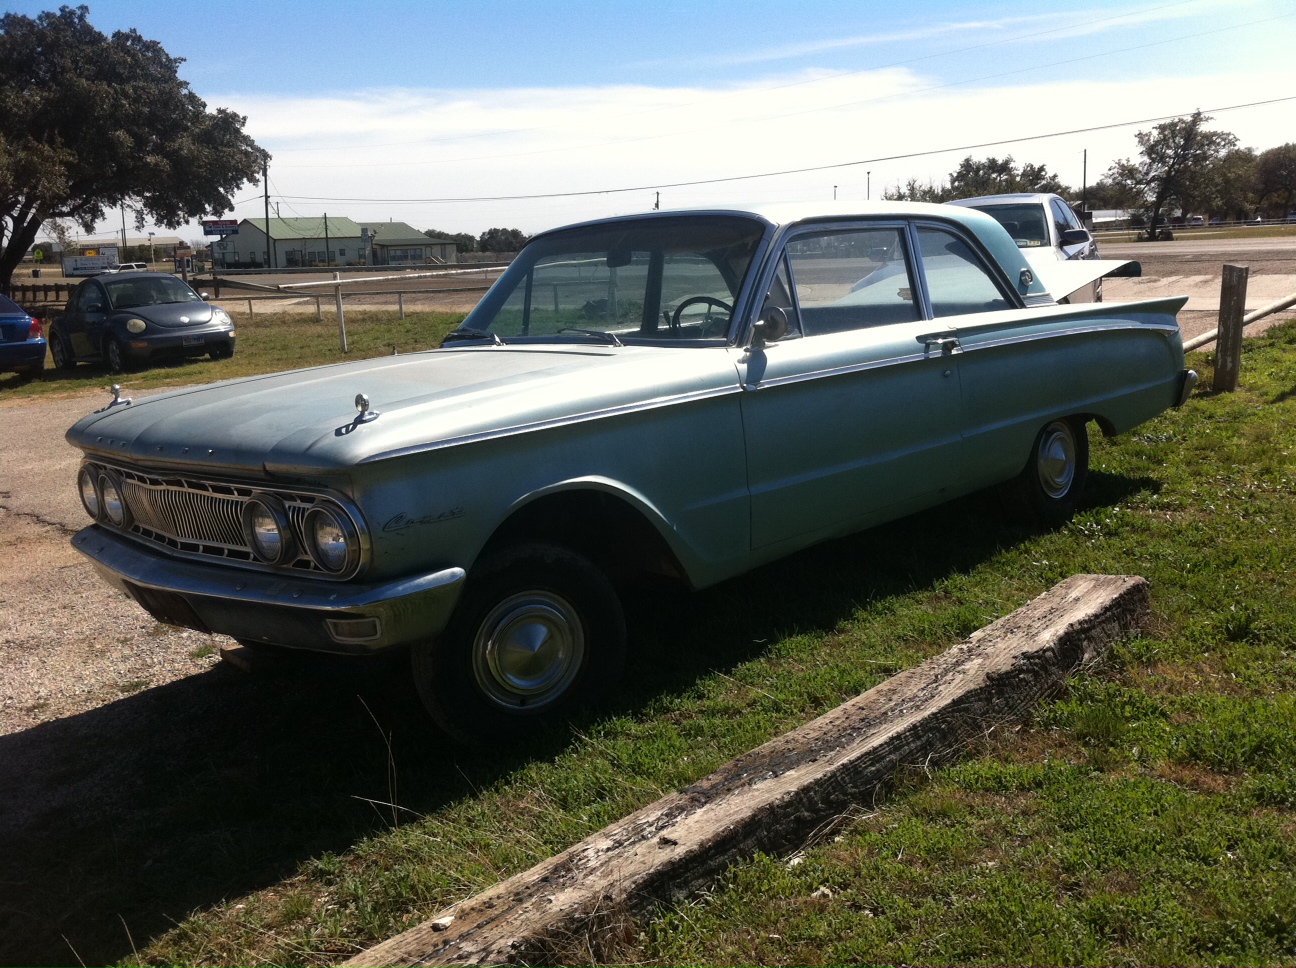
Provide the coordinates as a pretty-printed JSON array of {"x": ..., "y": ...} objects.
[
  {"x": 606, "y": 529},
  {"x": 1106, "y": 426}
]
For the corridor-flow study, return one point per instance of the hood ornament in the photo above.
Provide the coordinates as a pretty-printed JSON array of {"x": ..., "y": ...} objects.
[
  {"x": 362, "y": 408},
  {"x": 118, "y": 401}
]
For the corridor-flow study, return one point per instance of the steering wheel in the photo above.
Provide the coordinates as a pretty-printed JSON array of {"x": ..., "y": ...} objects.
[{"x": 696, "y": 301}]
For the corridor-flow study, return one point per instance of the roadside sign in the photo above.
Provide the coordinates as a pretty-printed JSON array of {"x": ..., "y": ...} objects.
[
  {"x": 39, "y": 255},
  {"x": 220, "y": 226}
]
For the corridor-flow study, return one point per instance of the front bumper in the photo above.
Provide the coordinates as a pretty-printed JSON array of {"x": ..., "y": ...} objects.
[
  {"x": 298, "y": 613},
  {"x": 197, "y": 341}
]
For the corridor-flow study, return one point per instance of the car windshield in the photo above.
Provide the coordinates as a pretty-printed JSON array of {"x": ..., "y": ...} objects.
[
  {"x": 667, "y": 278},
  {"x": 1025, "y": 222},
  {"x": 131, "y": 293}
]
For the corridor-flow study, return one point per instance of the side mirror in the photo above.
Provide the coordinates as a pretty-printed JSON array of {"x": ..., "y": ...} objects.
[
  {"x": 771, "y": 327},
  {"x": 204, "y": 296},
  {"x": 1074, "y": 237}
]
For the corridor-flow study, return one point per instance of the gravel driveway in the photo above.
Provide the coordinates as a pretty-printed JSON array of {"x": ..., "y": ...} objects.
[{"x": 68, "y": 641}]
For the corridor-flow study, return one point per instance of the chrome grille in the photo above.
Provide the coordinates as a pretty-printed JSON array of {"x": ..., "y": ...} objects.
[{"x": 205, "y": 518}]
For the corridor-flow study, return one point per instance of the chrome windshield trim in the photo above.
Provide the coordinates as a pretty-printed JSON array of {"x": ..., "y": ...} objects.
[{"x": 654, "y": 404}]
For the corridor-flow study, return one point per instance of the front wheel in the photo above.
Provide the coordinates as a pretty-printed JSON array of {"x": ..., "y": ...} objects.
[
  {"x": 538, "y": 633},
  {"x": 115, "y": 355},
  {"x": 1049, "y": 487}
]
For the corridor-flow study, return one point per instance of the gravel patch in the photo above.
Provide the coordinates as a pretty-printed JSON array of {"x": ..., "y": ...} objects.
[{"x": 69, "y": 642}]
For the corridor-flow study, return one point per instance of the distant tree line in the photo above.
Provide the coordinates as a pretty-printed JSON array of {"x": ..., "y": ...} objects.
[
  {"x": 1183, "y": 168},
  {"x": 492, "y": 240}
]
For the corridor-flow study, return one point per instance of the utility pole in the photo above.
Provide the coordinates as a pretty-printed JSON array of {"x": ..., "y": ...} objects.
[
  {"x": 657, "y": 203},
  {"x": 327, "y": 260},
  {"x": 868, "y": 186},
  {"x": 1084, "y": 182},
  {"x": 122, "y": 257},
  {"x": 834, "y": 193},
  {"x": 271, "y": 255}
]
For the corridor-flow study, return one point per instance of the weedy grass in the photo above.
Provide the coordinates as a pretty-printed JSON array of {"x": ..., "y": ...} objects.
[
  {"x": 1148, "y": 815},
  {"x": 267, "y": 342}
]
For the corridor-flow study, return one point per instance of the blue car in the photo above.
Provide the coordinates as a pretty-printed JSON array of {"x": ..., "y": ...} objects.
[{"x": 22, "y": 340}]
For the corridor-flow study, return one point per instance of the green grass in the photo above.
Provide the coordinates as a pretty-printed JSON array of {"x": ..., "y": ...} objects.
[
  {"x": 1146, "y": 816},
  {"x": 267, "y": 342},
  {"x": 1205, "y": 233}
]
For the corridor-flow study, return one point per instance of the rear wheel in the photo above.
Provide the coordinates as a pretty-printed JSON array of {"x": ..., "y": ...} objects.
[
  {"x": 62, "y": 356},
  {"x": 538, "y": 633},
  {"x": 1050, "y": 485}
]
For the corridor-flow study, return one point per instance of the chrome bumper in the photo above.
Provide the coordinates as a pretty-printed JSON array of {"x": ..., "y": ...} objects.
[
  {"x": 282, "y": 610},
  {"x": 1188, "y": 381}
]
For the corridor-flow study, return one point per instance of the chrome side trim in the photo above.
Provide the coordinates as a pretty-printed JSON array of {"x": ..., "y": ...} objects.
[
  {"x": 840, "y": 371},
  {"x": 973, "y": 347},
  {"x": 655, "y": 404}
]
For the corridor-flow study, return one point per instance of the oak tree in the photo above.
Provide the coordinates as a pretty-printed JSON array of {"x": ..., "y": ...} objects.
[
  {"x": 1176, "y": 165},
  {"x": 90, "y": 122}
]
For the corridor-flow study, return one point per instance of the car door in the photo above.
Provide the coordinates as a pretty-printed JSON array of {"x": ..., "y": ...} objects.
[
  {"x": 1012, "y": 375},
  {"x": 853, "y": 417},
  {"x": 84, "y": 320}
]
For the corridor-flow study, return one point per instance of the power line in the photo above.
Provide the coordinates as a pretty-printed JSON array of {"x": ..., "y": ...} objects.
[{"x": 787, "y": 171}]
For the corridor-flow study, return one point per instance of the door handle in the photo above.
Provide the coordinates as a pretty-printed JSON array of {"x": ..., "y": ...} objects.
[{"x": 948, "y": 345}]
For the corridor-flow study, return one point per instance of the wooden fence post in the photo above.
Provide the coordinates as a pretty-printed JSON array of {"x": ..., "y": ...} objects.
[
  {"x": 337, "y": 296},
  {"x": 1228, "y": 347}
]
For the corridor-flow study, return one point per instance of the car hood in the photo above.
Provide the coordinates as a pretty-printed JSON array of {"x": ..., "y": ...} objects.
[
  {"x": 306, "y": 421},
  {"x": 173, "y": 315}
]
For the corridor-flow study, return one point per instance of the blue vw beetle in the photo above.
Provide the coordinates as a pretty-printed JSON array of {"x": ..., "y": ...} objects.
[{"x": 687, "y": 394}]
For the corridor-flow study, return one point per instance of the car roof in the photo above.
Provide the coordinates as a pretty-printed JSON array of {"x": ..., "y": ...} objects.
[
  {"x": 778, "y": 215},
  {"x": 1011, "y": 198}
]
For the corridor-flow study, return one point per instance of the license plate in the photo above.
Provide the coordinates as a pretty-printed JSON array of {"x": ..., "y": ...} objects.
[{"x": 193, "y": 341}]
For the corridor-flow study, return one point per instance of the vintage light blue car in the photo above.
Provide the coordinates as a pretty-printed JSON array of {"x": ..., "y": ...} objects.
[{"x": 688, "y": 394}]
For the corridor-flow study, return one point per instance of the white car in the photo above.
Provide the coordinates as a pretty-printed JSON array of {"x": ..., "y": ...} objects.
[{"x": 1049, "y": 233}]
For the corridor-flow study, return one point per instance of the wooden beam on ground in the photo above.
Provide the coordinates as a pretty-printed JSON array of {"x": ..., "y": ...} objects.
[{"x": 775, "y": 797}]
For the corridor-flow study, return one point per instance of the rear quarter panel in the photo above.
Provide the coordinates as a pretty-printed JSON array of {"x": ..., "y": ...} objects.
[{"x": 1117, "y": 363}]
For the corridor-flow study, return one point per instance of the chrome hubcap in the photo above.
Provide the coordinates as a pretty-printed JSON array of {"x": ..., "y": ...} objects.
[
  {"x": 1055, "y": 461},
  {"x": 528, "y": 650}
]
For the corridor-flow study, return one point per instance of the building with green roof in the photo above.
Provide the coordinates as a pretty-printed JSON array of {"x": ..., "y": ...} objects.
[{"x": 328, "y": 240}]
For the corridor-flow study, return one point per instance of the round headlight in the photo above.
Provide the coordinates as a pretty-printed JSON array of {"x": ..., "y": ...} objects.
[
  {"x": 267, "y": 531},
  {"x": 112, "y": 501},
  {"x": 333, "y": 542},
  {"x": 136, "y": 326},
  {"x": 220, "y": 316},
  {"x": 88, "y": 486}
]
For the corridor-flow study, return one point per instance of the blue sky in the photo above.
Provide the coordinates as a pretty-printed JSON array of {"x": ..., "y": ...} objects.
[{"x": 396, "y": 109}]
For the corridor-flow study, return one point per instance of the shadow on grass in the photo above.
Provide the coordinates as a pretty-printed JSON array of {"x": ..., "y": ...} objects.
[{"x": 129, "y": 816}]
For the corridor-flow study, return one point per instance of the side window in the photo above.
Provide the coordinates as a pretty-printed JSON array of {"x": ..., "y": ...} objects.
[
  {"x": 958, "y": 282},
  {"x": 851, "y": 279},
  {"x": 1064, "y": 217},
  {"x": 89, "y": 299}
]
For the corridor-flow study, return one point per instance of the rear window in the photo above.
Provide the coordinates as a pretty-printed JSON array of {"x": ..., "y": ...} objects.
[{"x": 9, "y": 307}]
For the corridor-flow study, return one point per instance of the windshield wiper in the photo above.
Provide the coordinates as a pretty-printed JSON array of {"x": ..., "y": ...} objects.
[
  {"x": 596, "y": 333},
  {"x": 464, "y": 333}
]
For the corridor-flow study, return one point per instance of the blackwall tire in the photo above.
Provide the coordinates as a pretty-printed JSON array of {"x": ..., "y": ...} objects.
[
  {"x": 538, "y": 633},
  {"x": 1049, "y": 487},
  {"x": 59, "y": 351},
  {"x": 114, "y": 355}
]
